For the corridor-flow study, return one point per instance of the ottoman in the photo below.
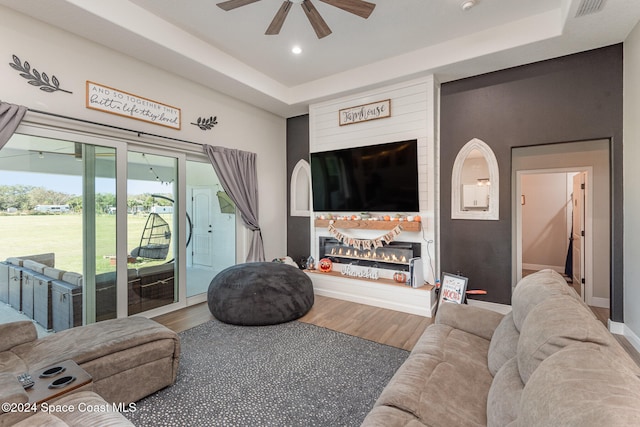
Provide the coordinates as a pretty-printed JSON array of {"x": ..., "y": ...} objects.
[{"x": 260, "y": 293}]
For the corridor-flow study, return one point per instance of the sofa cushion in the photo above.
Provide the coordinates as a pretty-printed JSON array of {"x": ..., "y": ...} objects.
[
  {"x": 533, "y": 289},
  {"x": 48, "y": 259},
  {"x": 424, "y": 387},
  {"x": 9, "y": 362},
  {"x": 504, "y": 395},
  {"x": 34, "y": 266},
  {"x": 11, "y": 391},
  {"x": 92, "y": 342},
  {"x": 15, "y": 333},
  {"x": 387, "y": 416},
  {"x": 54, "y": 273},
  {"x": 71, "y": 277},
  {"x": 504, "y": 344},
  {"x": 15, "y": 261},
  {"x": 580, "y": 386},
  {"x": 42, "y": 419},
  {"x": 554, "y": 324},
  {"x": 453, "y": 345},
  {"x": 468, "y": 318}
]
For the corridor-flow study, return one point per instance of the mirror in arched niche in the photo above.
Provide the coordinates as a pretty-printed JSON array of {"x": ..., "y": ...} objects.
[
  {"x": 301, "y": 189},
  {"x": 475, "y": 183}
]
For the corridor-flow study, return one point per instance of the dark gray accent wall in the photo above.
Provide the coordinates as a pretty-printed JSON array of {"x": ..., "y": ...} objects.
[
  {"x": 298, "y": 231},
  {"x": 573, "y": 98}
]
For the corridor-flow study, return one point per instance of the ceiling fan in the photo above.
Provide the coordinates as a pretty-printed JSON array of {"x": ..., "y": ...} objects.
[{"x": 358, "y": 7}]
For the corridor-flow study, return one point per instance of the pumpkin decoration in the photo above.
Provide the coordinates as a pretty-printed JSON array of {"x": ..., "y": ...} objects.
[
  {"x": 325, "y": 265},
  {"x": 400, "y": 277}
]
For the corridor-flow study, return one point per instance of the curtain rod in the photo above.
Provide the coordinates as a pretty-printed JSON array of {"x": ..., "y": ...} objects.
[{"x": 139, "y": 133}]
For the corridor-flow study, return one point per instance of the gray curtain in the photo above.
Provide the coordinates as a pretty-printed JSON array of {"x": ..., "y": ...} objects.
[
  {"x": 236, "y": 170},
  {"x": 10, "y": 117}
]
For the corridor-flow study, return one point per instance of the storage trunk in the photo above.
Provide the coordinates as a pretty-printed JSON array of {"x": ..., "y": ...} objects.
[
  {"x": 42, "y": 303},
  {"x": 4, "y": 282},
  {"x": 66, "y": 305},
  {"x": 15, "y": 287}
]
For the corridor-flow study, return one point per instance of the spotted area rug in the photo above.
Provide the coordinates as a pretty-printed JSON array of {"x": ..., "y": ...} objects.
[{"x": 293, "y": 374}]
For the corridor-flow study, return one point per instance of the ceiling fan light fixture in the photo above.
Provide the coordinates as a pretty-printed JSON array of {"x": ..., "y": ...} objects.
[
  {"x": 296, "y": 50},
  {"x": 468, "y": 4}
]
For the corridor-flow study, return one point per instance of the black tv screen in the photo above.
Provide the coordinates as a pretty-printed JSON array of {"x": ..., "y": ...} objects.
[{"x": 375, "y": 178}]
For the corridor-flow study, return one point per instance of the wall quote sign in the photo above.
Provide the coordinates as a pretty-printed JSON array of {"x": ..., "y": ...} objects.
[
  {"x": 114, "y": 101},
  {"x": 364, "y": 113}
]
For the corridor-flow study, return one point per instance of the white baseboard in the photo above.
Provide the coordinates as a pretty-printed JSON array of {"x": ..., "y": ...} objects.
[
  {"x": 624, "y": 330},
  {"x": 558, "y": 268},
  {"x": 632, "y": 337},
  {"x": 616, "y": 327},
  {"x": 493, "y": 306},
  {"x": 599, "y": 302}
]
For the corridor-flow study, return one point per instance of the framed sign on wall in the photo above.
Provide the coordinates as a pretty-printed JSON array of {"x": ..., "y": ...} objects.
[
  {"x": 364, "y": 113},
  {"x": 114, "y": 101}
]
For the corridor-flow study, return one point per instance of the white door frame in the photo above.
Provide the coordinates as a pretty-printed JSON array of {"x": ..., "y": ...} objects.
[{"x": 588, "y": 256}]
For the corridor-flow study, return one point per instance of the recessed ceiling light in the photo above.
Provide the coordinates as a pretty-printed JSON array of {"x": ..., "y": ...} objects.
[
  {"x": 297, "y": 50},
  {"x": 468, "y": 4}
]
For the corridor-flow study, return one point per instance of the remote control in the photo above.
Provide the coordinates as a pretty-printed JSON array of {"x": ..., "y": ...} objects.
[{"x": 26, "y": 380}]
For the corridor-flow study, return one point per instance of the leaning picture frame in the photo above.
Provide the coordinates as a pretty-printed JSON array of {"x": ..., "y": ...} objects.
[{"x": 452, "y": 288}]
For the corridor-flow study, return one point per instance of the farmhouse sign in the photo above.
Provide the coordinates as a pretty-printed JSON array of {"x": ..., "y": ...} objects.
[
  {"x": 114, "y": 101},
  {"x": 364, "y": 113}
]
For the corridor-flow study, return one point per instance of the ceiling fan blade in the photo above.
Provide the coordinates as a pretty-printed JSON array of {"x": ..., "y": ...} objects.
[
  {"x": 319, "y": 26},
  {"x": 232, "y": 4},
  {"x": 278, "y": 19},
  {"x": 358, "y": 7}
]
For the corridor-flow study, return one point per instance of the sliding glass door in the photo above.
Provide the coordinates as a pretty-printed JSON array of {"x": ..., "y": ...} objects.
[
  {"x": 151, "y": 231},
  {"x": 121, "y": 228},
  {"x": 56, "y": 231}
]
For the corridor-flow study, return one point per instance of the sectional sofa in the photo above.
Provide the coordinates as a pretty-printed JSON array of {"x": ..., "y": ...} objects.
[
  {"x": 53, "y": 297},
  {"x": 549, "y": 362},
  {"x": 127, "y": 358}
]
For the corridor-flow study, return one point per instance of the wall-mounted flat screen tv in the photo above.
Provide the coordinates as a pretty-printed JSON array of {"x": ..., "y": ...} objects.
[{"x": 374, "y": 178}]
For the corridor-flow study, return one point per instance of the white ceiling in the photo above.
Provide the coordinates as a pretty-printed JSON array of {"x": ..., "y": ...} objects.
[{"x": 402, "y": 39}]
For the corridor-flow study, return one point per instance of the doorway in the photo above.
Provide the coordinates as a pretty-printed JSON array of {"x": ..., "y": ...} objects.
[
  {"x": 213, "y": 229},
  {"x": 553, "y": 214},
  {"x": 551, "y": 168}
]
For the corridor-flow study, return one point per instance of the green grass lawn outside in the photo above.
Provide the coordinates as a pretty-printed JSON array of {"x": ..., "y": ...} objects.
[{"x": 62, "y": 235}]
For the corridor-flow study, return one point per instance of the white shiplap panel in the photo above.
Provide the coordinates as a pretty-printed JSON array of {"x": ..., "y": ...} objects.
[
  {"x": 413, "y": 116},
  {"x": 409, "y": 112},
  {"x": 406, "y": 116}
]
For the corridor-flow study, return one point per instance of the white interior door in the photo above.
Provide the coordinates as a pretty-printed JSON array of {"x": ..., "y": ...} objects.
[
  {"x": 578, "y": 254},
  {"x": 202, "y": 228}
]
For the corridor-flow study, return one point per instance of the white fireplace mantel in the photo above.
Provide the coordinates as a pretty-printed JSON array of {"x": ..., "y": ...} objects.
[{"x": 378, "y": 293}]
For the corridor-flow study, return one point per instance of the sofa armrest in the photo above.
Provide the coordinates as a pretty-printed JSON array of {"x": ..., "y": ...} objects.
[
  {"x": 16, "y": 333},
  {"x": 474, "y": 320},
  {"x": 11, "y": 391}
]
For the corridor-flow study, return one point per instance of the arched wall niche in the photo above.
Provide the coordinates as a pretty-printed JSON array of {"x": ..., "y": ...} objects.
[
  {"x": 301, "y": 189},
  {"x": 475, "y": 183}
]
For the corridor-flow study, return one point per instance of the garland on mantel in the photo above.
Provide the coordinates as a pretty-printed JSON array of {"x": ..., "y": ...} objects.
[{"x": 365, "y": 243}]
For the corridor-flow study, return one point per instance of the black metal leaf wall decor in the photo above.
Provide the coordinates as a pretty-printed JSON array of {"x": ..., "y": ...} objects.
[
  {"x": 206, "y": 124},
  {"x": 36, "y": 78}
]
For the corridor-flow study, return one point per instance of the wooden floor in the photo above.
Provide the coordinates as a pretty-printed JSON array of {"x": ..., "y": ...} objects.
[
  {"x": 383, "y": 326},
  {"x": 375, "y": 324}
]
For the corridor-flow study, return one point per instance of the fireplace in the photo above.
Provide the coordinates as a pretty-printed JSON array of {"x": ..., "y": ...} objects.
[{"x": 391, "y": 256}]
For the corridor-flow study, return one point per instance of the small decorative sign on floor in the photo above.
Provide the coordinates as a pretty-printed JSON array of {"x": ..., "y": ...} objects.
[{"x": 114, "y": 101}]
